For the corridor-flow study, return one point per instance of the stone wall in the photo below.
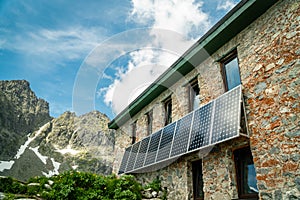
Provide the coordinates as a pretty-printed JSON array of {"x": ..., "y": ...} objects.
[
  {"x": 269, "y": 60},
  {"x": 270, "y": 70}
]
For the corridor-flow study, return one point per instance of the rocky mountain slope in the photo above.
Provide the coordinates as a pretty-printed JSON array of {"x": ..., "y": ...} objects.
[
  {"x": 21, "y": 112},
  {"x": 68, "y": 142}
]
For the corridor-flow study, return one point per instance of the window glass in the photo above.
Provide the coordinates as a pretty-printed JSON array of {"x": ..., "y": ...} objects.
[
  {"x": 168, "y": 111},
  {"x": 246, "y": 174},
  {"x": 149, "y": 122},
  {"x": 194, "y": 95},
  {"x": 232, "y": 73},
  {"x": 133, "y": 136},
  {"x": 197, "y": 180},
  {"x": 251, "y": 179}
]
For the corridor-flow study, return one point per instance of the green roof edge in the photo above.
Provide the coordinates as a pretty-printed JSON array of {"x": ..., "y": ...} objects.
[{"x": 243, "y": 14}]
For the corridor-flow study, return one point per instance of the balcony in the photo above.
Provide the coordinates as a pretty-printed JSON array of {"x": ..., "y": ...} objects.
[{"x": 216, "y": 122}]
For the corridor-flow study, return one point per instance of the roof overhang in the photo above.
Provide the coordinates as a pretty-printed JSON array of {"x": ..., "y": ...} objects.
[{"x": 229, "y": 26}]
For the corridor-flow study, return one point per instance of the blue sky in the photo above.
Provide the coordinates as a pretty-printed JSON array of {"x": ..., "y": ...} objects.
[{"x": 95, "y": 54}]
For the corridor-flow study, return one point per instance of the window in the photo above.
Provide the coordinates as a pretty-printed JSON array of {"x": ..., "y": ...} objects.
[
  {"x": 194, "y": 95},
  {"x": 168, "y": 111},
  {"x": 231, "y": 72},
  {"x": 133, "y": 136},
  {"x": 197, "y": 180},
  {"x": 149, "y": 122},
  {"x": 243, "y": 124},
  {"x": 246, "y": 175}
]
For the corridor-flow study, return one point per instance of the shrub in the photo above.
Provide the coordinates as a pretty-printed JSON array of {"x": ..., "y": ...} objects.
[
  {"x": 154, "y": 185},
  {"x": 127, "y": 188},
  {"x": 5, "y": 184},
  {"x": 77, "y": 185},
  {"x": 9, "y": 185}
]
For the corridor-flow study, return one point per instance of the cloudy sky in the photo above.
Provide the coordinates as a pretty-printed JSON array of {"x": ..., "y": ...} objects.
[{"x": 98, "y": 54}]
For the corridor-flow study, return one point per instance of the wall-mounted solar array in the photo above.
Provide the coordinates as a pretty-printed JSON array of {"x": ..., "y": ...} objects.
[
  {"x": 200, "y": 133},
  {"x": 215, "y": 122},
  {"x": 152, "y": 149},
  {"x": 142, "y": 153},
  {"x": 181, "y": 137}
]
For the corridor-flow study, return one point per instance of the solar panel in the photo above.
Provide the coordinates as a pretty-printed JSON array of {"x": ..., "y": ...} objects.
[
  {"x": 153, "y": 146},
  {"x": 226, "y": 116},
  {"x": 212, "y": 123},
  {"x": 142, "y": 153},
  {"x": 132, "y": 157},
  {"x": 200, "y": 133},
  {"x": 124, "y": 160},
  {"x": 166, "y": 142},
  {"x": 181, "y": 136}
]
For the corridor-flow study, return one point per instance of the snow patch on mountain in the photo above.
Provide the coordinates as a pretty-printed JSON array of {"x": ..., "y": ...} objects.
[
  {"x": 39, "y": 155},
  {"x": 55, "y": 170},
  {"x": 68, "y": 150},
  {"x": 29, "y": 140},
  {"x": 6, "y": 165}
]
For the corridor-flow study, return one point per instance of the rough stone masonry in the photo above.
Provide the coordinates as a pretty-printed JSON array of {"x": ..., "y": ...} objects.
[{"x": 269, "y": 60}]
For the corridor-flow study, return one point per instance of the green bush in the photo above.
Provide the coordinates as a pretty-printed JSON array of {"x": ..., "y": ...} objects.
[
  {"x": 127, "y": 188},
  {"x": 79, "y": 185},
  {"x": 155, "y": 185},
  {"x": 9, "y": 197},
  {"x": 5, "y": 184},
  {"x": 9, "y": 185},
  {"x": 76, "y": 185}
]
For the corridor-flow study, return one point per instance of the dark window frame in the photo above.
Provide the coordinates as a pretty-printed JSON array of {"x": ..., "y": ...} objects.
[
  {"x": 197, "y": 173},
  {"x": 133, "y": 133},
  {"x": 193, "y": 90},
  {"x": 224, "y": 61},
  {"x": 239, "y": 156},
  {"x": 243, "y": 123},
  {"x": 149, "y": 116},
  {"x": 168, "y": 110}
]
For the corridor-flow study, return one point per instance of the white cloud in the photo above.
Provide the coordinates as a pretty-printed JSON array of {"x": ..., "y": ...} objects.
[
  {"x": 225, "y": 5},
  {"x": 69, "y": 43},
  {"x": 53, "y": 47},
  {"x": 2, "y": 43},
  {"x": 185, "y": 21},
  {"x": 106, "y": 76},
  {"x": 141, "y": 72},
  {"x": 185, "y": 17}
]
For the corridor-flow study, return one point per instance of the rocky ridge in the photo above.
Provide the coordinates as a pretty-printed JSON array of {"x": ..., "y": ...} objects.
[
  {"x": 21, "y": 113},
  {"x": 34, "y": 144}
]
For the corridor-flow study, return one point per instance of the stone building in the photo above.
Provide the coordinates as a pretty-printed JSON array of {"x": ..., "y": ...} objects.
[{"x": 254, "y": 49}]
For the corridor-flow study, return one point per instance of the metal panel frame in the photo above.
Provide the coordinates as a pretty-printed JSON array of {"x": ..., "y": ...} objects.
[
  {"x": 150, "y": 165},
  {"x": 190, "y": 149},
  {"x": 142, "y": 155},
  {"x": 162, "y": 149},
  {"x": 178, "y": 127}
]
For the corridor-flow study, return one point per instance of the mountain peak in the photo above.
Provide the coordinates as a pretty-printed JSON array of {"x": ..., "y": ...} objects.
[
  {"x": 21, "y": 113},
  {"x": 35, "y": 144}
]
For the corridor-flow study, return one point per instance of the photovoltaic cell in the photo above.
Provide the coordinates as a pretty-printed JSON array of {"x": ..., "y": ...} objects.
[
  {"x": 142, "y": 153},
  {"x": 124, "y": 160},
  {"x": 153, "y": 146},
  {"x": 132, "y": 156},
  {"x": 226, "y": 116},
  {"x": 166, "y": 142},
  {"x": 182, "y": 135},
  {"x": 200, "y": 133},
  {"x": 212, "y": 123}
]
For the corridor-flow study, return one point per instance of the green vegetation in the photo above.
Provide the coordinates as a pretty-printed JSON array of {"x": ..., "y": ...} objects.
[
  {"x": 155, "y": 185},
  {"x": 73, "y": 185}
]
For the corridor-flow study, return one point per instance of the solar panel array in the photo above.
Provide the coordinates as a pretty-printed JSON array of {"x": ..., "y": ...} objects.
[{"x": 210, "y": 124}]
